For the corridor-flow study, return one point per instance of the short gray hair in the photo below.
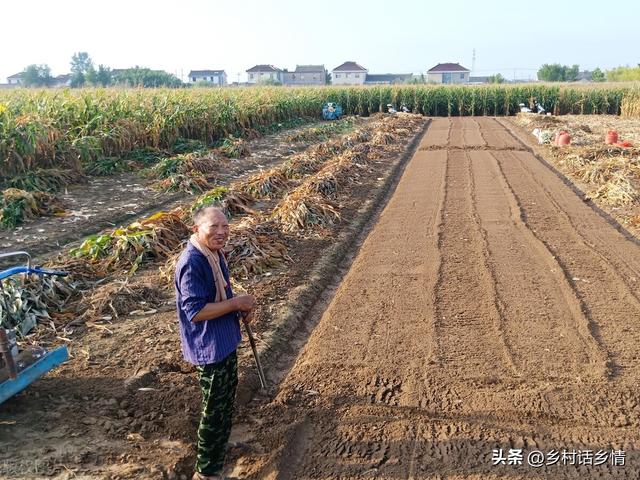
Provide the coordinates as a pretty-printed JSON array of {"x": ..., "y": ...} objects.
[{"x": 198, "y": 214}]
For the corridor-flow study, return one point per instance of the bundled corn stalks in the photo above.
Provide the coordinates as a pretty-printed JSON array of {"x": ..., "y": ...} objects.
[
  {"x": 17, "y": 205},
  {"x": 24, "y": 304},
  {"x": 303, "y": 208},
  {"x": 325, "y": 182},
  {"x": 230, "y": 201},
  {"x": 197, "y": 162},
  {"x": 254, "y": 248},
  {"x": 154, "y": 237},
  {"x": 618, "y": 190},
  {"x": 205, "y": 164},
  {"x": 301, "y": 165},
  {"x": 382, "y": 137},
  {"x": 267, "y": 184},
  {"x": 234, "y": 147},
  {"x": 359, "y": 136}
]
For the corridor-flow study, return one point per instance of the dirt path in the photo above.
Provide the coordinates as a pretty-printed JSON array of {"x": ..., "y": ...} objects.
[{"x": 489, "y": 308}]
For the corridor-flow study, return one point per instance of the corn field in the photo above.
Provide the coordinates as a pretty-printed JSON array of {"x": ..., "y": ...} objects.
[
  {"x": 70, "y": 129},
  {"x": 631, "y": 104}
]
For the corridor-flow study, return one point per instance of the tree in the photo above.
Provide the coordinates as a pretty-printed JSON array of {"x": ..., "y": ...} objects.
[
  {"x": 558, "y": 73},
  {"x": 551, "y": 73},
  {"x": 81, "y": 65},
  {"x": 497, "y": 78},
  {"x": 145, "y": 77},
  {"x": 571, "y": 74},
  {"x": 91, "y": 76},
  {"x": 37, "y": 76},
  {"x": 624, "y": 74},
  {"x": 103, "y": 76},
  {"x": 598, "y": 75}
]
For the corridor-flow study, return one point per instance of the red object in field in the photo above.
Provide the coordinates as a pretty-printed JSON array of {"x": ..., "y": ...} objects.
[
  {"x": 563, "y": 139},
  {"x": 558, "y": 135},
  {"x": 612, "y": 137},
  {"x": 624, "y": 143}
]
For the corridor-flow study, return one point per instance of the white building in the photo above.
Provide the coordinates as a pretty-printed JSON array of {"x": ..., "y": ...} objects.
[
  {"x": 264, "y": 73},
  {"x": 216, "y": 77},
  {"x": 15, "y": 79},
  {"x": 349, "y": 73},
  {"x": 448, "y": 73}
]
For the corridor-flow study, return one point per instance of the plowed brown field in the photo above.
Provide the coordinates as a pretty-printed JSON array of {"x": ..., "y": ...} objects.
[{"x": 490, "y": 308}]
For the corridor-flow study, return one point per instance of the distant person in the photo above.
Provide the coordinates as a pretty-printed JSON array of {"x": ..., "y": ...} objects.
[{"x": 210, "y": 333}]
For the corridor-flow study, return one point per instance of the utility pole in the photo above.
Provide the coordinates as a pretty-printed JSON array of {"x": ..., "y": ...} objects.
[{"x": 473, "y": 62}]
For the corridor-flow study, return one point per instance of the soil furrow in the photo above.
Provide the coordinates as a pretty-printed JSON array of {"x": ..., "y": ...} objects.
[
  {"x": 605, "y": 299},
  {"x": 465, "y": 309},
  {"x": 542, "y": 318}
]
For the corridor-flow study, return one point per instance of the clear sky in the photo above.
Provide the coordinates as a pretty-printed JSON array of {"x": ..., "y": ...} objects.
[{"x": 399, "y": 36}]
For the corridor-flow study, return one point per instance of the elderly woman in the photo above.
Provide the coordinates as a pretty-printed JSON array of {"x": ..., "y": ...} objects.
[{"x": 210, "y": 333}]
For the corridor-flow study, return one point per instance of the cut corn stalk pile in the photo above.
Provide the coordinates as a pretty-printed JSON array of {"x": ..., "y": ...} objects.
[
  {"x": 156, "y": 236},
  {"x": 18, "y": 205},
  {"x": 230, "y": 200},
  {"x": 120, "y": 298},
  {"x": 254, "y": 248},
  {"x": 302, "y": 209},
  {"x": 198, "y": 162},
  {"x": 601, "y": 171},
  {"x": 23, "y": 305},
  {"x": 322, "y": 131},
  {"x": 267, "y": 184},
  {"x": 232, "y": 147},
  {"x": 618, "y": 190}
]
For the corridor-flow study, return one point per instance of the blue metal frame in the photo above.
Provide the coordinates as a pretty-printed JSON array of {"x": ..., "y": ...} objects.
[
  {"x": 40, "y": 271},
  {"x": 49, "y": 360}
]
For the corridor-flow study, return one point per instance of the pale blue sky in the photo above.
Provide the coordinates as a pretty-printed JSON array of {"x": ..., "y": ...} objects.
[{"x": 400, "y": 36}]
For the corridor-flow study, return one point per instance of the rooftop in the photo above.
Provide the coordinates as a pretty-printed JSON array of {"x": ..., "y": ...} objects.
[
  {"x": 203, "y": 73},
  {"x": 264, "y": 68},
  {"x": 350, "y": 67},
  {"x": 448, "y": 67}
]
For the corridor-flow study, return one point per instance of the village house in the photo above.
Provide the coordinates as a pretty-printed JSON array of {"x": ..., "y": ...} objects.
[
  {"x": 216, "y": 77},
  {"x": 305, "y": 75},
  {"x": 264, "y": 73},
  {"x": 15, "y": 79},
  {"x": 448, "y": 73},
  {"x": 349, "y": 73}
]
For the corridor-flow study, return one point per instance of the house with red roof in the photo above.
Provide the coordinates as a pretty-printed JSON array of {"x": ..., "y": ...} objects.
[{"x": 448, "y": 73}]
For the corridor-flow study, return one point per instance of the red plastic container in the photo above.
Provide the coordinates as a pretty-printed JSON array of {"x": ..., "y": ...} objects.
[
  {"x": 564, "y": 139},
  {"x": 612, "y": 137},
  {"x": 558, "y": 134}
]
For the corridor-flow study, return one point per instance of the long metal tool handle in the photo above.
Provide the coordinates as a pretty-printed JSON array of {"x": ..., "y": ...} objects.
[{"x": 252, "y": 342}]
